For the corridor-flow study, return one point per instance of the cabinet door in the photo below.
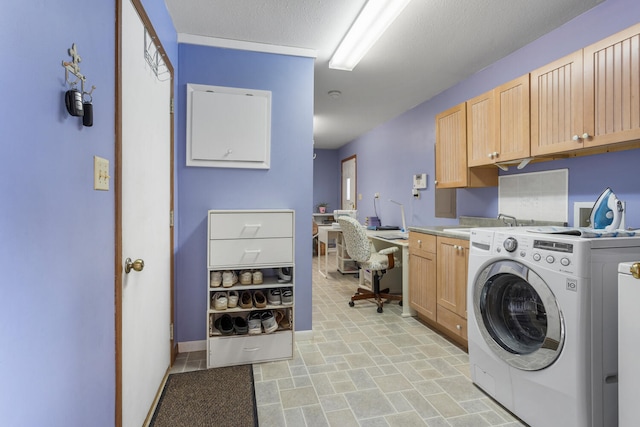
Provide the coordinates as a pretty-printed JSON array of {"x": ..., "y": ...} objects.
[
  {"x": 422, "y": 284},
  {"x": 557, "y": 106},
  {"x": 612, "y": 89},
  {"x": 512, "y": 120},
  {"x": 451, "y": 148},
  {"x": 452, "y": 275},
  {"x": 482, "y": 144}
]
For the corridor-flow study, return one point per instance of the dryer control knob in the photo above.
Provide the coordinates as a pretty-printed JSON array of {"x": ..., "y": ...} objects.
[
  {"x": 537, "y": 257},
  {"x": 510, "y": 244},
  {"x": 565, "y": 261}
]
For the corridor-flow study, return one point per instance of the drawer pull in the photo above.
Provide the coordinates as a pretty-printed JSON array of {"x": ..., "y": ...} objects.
[
  {"x": 458, "y": 327},
  {"x": 251, "y": 349},
  {"x": 252, "y": 251},
  {"x": 252, "y": 225}
]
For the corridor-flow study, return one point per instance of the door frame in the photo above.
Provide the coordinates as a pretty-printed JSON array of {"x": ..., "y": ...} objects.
[
  {"x": 137, "y": 4},
  {"x": 355, "y": 181}
]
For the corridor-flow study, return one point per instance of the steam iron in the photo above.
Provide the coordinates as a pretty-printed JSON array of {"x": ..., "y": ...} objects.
[{"x": 606, "y": 213}]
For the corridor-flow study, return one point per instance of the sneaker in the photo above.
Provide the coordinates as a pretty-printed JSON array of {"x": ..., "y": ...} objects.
[
  {"x": 287, "y": 296},
  {"x": 215, "y": 279},
  {"x": 232, "y": 299},
  {"x": 229, "y": 278},
  {"x": 257, "y": 277},
  {"x": 254, "y": 322},
  {"x": 225, "y": 324},
  {"x": 259, "y": 300},
  {"x": 240, "y": 325},
  {"x": 220, "y": 301},
  {"x": 274, "y": 296},
  {"x": 269, "y": 322},
  {"x": 245, "y": 278},
  {"x": 246, "y": 300}
]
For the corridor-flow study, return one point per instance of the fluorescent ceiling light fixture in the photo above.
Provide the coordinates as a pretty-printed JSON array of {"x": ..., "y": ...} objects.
[{"x": 371, "y": 23}]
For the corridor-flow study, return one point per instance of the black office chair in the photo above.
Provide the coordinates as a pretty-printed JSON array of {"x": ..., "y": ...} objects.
[{"x": 359, "y": 249}]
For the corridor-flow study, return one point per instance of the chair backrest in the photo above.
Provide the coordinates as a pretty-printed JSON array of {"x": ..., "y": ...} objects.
[{"x": 358, "y": 245}]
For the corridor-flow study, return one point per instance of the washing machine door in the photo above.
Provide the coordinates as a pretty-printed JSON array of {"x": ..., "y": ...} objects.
[{"x": 518, "y": 315}]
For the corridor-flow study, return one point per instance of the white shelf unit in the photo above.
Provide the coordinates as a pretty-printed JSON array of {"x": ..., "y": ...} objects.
[
  {"x": 250, "y": 240},
  {"x": 346, "y": 265}
]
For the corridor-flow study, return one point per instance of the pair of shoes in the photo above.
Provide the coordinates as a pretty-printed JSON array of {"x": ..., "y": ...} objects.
[
  {"x": 220, "y": 301},
  {"x": 246, "y": 299},
  {"x": 274, "y": 296},
  {"x": 224, "y": 300},
  {"x": 229, "y": 278},
  {"x": 287, "y": 296},
  {"x": 215, "y": 279},
  {"x": 282, "y": 319},
  {"x": 269, "y": 322},
  {"x": 255, "y": 323},
  {"x": 259, "y": 300},
  {"x": 224, "y": 324}
]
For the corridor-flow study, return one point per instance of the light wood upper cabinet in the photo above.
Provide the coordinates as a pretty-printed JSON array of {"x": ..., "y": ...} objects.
[
  {"x": 557, "y": 106},
  {"x": 451, "y": 153},
  {"x": 513, "y": 120},
  {"x": 482, "y": 141},
  {"x": 498, "y": 124},
  {"x": 451, "y": 148},
  {"x": 612, "y": 89}
]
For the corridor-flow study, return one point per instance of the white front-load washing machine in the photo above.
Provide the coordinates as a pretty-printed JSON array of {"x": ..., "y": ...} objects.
[{"x": 542, "y": 323}]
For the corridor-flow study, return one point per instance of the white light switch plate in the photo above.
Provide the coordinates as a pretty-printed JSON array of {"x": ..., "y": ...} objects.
[{"x": 100, "y": 173}]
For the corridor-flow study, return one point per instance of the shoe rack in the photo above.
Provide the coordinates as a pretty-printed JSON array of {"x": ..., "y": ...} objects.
[{"x": 256, "y": 244}]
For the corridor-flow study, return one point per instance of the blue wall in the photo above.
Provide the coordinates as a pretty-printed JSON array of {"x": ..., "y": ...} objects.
[
  {"x": 287, "y": 184},
  {"x": 57, "y": 324},
  {"x": 57, "y": 361},
  {"x": 405, "y": 145},
  {"x": 326, "y": 179}
]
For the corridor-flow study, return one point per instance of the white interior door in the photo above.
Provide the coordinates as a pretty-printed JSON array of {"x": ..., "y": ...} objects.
[
  {"x": 349, "y": 183},
  {"x": 146, "y": 234}
]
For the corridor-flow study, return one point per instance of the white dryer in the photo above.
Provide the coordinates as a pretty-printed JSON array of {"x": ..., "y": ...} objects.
[{"x": 542, "y": 323}]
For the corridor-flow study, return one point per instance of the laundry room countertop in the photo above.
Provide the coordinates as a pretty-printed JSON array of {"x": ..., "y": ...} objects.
[{"x": 461, "y": 230}]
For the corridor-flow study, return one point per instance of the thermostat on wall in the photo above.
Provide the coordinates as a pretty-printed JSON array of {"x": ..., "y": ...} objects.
[{"x": 420, "y": 181}]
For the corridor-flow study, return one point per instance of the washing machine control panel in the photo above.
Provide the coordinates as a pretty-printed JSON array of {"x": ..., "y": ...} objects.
[{"x": 543, "y": 251}]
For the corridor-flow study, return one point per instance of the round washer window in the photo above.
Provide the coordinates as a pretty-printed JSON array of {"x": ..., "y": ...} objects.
[{"x": 518, "y": 315}]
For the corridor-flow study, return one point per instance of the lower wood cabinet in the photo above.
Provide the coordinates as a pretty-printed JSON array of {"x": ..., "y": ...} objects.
[
  {"x": 438, "y": 283},
  {"x": 422, "y": 274}
]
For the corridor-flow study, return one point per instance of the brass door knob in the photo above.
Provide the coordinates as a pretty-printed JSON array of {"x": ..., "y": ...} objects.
[
  {"x": 635, "y": 270},
  {"x": 136, "y": 265}
]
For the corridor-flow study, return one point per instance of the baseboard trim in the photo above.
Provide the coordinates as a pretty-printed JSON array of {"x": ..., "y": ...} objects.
[{"x": 189, "y": 346}]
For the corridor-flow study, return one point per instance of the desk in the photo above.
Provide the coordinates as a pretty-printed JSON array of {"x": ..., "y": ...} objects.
[
  {"x": 327, "y": 233},
  {"x": 379, "y": 243}
]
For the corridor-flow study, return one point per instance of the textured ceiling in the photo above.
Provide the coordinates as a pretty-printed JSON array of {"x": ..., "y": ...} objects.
[{"x": 433, "y": 45}]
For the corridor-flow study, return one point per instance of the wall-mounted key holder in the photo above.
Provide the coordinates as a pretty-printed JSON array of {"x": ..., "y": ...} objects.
[{"x": 75, "y": 100}]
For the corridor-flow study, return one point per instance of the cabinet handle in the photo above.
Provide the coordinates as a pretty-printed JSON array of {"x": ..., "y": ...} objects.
[
  {"x": 576, "y": 137},
  {"x": 585, "y": 136},
  {"x": 419, "y": 243},
  {"x": 496, "y": 154},
  {"x": 458, "y": 327},
  {"x": 435, "y": 182},
  {"x": 490, "y": 155}
]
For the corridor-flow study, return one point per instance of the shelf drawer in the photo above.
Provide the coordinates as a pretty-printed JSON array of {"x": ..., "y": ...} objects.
[
  {"x": 250, "y": 252},
  {"x": 452, "y": 322},
  {"x": 250, "y": 225},
  {"x": 422, "y": 244},
  {"x": 227, "y": 351}
]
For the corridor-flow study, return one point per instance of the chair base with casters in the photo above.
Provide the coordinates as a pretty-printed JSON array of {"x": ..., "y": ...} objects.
[
  {"x": 360, "y": 250},
  {"x": 375, "y": 293}
]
